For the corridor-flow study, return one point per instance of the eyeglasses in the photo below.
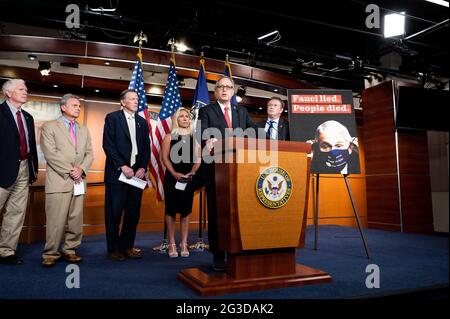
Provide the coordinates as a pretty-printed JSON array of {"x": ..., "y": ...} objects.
[{"x": 226, "y": 87}]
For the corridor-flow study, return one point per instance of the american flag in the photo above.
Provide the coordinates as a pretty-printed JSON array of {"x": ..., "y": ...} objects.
[
  {"x": 171, "y": 102},
  {"x": 137, "y": 84}
]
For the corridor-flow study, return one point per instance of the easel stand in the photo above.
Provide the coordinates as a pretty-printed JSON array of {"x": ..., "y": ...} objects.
[{"x": 316, "y": 215}]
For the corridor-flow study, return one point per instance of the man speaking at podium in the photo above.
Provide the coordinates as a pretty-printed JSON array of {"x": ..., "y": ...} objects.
[{"x": 220, "y": 116}]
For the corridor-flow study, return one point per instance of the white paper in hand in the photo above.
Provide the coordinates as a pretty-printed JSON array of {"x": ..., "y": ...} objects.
[
  {"x": 78, "y": 189},
  {"x": 180, "y": 186},
  {"x": 134, "y": 181}
]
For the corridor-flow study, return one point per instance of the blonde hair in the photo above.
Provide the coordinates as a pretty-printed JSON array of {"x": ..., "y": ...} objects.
[{"x": 175, "y": 127}]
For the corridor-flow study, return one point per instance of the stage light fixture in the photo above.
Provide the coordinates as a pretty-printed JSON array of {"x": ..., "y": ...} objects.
[
  {"x": 44, "y": 68},
  {"x": 240, "y": 93},
  {"x": 394, "y": 24},
  {"x": 177, "y": 45},
  {"x": 439, "y": 2}
]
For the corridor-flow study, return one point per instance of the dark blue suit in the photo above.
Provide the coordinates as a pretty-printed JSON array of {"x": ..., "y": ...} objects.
[
  {"x": 10, "y": 144},
  {"x": 211, "y": 117},
  {"x": 282, "y": 130},
  {"x": 120, "y": 197}
]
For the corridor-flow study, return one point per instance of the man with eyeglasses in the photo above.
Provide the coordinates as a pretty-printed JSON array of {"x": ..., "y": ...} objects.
[
  {"x": 275, "y": 127},
  {"x": 219, "y": 116}
]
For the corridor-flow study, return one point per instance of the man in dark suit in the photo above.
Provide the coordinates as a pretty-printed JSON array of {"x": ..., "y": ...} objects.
[
  {"x": 275, "y": 127},
  {"x": 127, "y": 147},
  {"x": 19, "y": 166},
  {"x": 214, "y": 118}
]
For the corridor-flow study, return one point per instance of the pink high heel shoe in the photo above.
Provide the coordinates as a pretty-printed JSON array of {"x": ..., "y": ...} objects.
[
  {"x": 172, "y": 252},
  {"x": 184, "y": 250}
]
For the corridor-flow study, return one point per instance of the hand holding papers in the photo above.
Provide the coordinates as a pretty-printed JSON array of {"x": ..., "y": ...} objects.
[
  {"x": 134, "y": 181},
  {"x": 182, "y": 182},
  {"x": 78, "y": 188}
]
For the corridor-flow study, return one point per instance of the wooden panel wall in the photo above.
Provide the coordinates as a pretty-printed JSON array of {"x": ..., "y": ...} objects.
[{"x": 398, "y": 192}]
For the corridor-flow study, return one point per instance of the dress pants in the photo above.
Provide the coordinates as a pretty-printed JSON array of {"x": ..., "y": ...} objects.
[
  {"x": 121, "y": 199},
  {"x": 14, "y": 199},
  {"x": 213, "y": 236},
  {"x": 62, "y": 208}
]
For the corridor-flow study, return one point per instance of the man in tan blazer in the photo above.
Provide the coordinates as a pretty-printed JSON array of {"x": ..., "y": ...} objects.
[{"x": 68, "y": 151}]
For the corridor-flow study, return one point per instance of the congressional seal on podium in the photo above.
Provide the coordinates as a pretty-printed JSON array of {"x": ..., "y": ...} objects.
[{"x": 274, "y": 187}]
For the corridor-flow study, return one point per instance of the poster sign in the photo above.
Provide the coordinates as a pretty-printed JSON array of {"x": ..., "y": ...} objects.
[{"x": 326, "y": 119}]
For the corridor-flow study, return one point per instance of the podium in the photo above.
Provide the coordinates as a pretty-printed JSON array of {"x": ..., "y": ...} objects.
[{"x": 260, "y": 236}]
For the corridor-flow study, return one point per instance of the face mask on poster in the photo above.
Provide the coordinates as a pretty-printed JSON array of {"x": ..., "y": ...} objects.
[{"x": 336, "y": 158}]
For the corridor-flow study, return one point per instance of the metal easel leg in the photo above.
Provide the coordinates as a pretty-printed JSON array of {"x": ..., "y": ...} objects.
[
  {"x": 361, "y": 232},
  {"x": 316, "y": 215}
]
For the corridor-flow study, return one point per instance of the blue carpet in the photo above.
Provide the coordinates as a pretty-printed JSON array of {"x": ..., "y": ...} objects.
[{"x": 407, "y": 262}]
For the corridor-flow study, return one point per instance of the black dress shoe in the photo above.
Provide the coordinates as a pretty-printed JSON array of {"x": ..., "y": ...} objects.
[
  {"x": 116, "y": 256},
  {"x": 11, "y": 260}
]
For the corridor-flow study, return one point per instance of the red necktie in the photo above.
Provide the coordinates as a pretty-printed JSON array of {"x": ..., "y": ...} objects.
[
  {"x": 227, "y": 117},
  {"x": 23, "y": 152}
]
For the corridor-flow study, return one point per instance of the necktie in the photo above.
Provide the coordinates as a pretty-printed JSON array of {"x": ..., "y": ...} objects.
[
  {"x": 23, "y": 152},
  {"x": 227, "y": 116},
  {"x": 132, "y": 128},
  {"x": 72, "y": 133},
  {"x": 270, "y": 129}
]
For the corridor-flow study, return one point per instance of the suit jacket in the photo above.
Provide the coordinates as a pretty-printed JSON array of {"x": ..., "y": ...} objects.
[
  {"x": 10, "y": 144},
  {"x": 117, "y": 145},
  {"x": 211, "y": 116},
  {"x": 283, "y": 129},
  {"x": 62, "y": 155}
]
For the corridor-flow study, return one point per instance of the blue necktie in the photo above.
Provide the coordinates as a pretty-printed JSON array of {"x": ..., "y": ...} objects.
[{"x": 269, "y": 132}]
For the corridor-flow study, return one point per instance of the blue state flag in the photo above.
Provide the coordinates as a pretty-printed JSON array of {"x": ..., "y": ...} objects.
[{"x": 201, "y": 94}]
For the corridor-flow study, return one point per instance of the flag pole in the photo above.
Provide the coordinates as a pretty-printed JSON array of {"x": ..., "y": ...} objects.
[
  {"x": 164, "y": 246},
  {"x": 200, "y": 244}
]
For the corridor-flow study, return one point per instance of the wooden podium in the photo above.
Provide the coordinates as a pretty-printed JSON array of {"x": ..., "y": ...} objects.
[{"x": 260, "y": 241}]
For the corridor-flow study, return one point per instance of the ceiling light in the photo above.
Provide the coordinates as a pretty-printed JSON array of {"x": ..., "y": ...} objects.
[
  {"x": 101, "y": 9},
  {"x": 275, "y": 90},
  {"x": 44, "y": 68},
  {"x": 179, "y": 46},
  {"x": 97, "y": 90},
  {"x": 439, "y": 2},
  {"x": 155, "y": 90},
  {"x": 107, "y": 63},
  {"x": 32, "y": 57},
  {"x": 394, "y": 24},
  {"x": 55, "y": 85},
  {"x": 268, "y": 35}
]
